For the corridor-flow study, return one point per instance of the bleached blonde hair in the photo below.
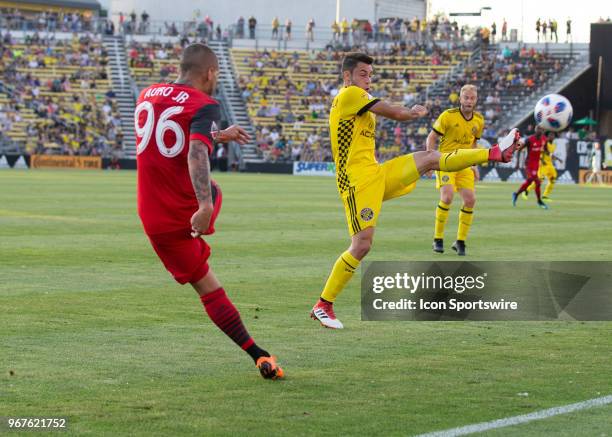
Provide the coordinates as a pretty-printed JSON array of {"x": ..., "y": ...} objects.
[{"x": 468, "y": 87}]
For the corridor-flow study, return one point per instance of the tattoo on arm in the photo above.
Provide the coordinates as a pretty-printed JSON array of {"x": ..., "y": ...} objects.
[{"x": 199, "y": 170}]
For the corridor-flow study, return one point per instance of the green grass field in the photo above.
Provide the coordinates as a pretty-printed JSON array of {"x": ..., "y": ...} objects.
[{"x": 93, "y": 328}]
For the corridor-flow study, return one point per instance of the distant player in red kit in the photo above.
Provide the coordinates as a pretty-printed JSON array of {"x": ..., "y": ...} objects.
[
  {"x": 535, "y": 145},
  {"x": 176, "y": 126}
]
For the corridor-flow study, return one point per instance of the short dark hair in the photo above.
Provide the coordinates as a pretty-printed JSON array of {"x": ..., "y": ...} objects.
[
  {"x": 198, "y": 56},
  {"x": 351, "y": 60}
]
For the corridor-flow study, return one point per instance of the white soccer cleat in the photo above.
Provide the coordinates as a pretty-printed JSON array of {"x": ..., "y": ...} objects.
[
  {"x": 509, "y": 140},
  {"x": 503, "y": 151},
  {"x": 324, "y": 313}
]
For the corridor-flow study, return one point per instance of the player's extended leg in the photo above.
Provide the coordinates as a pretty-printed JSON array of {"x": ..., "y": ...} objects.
[
  {"x": 446, "y": 198},
  {"x": 224, "y": 314},
  {"x": 531, "y": 179},
  {"x": 526, "y": 192},
  {"x": 466, "y": 216},
  {"x": 531, "y": 186},
  {"x": 463, "y": 158},
  {"x": 551, "y": 176},
  {"x": 362, "y": 208},
  {"x": 343, "y": 270},
  {"x": 550, "y": 182},
  {"x": 538, "y": 184}
]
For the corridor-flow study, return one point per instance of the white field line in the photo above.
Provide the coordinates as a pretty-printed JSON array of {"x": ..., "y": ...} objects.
[{"x": 523, "y": 418}]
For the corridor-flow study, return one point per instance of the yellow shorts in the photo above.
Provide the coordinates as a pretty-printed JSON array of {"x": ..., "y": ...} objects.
[
  {"x": 547, "y": 171},
  {"x": 458, "y": 179},
  {"x": 362, "y": 205}
]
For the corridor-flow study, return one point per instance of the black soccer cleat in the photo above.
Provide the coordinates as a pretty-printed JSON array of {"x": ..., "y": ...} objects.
[
  {"x": 459, "y": 247},
  {"x": 438, "y": 245}
]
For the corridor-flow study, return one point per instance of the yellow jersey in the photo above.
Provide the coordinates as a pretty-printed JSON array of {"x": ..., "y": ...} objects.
[
  {"x": 352, "y": 131},
  {"x": 547, "y": 153},
  {"x": 456, "y": 131}
]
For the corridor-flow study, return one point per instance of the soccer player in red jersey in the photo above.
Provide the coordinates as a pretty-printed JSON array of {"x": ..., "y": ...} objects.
[
  {"x": 176, "y": 126},
  {"x": 535, "y": 145}
]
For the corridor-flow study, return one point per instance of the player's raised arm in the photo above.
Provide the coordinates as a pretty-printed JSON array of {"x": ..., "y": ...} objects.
[
  {"x": 199, "y": 171},
  {"x": 438, "y": 130},
  {"x": 398, "y": 113},
  {"x": 357, "y": 73},
  {"x": 432, "y": 140},
  {"x": 233, "y": 133}
]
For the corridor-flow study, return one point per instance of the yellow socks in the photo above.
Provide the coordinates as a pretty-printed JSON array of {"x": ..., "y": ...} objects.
[
  {"x": 466, "y": 215},
  {"x": 549, "y": 187},
  {"x": 441, "y": 219},
  {"x": 463, "y": 158},
  {"x": 341, "y": 273}
]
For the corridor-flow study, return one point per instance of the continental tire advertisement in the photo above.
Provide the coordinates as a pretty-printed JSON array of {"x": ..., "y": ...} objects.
[{"x": 56, "y": 161}]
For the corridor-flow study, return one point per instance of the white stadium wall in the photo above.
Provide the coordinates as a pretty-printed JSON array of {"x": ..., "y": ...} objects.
[
  {"x": 226, "y": 12},
  {"x": 404, "y": 9}
]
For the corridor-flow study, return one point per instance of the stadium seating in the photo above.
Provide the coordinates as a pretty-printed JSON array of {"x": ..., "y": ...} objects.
[
  {"x": 504, "y": 78},
  {"x": 57, "y": 96},
  {"x": 288, "y": 93},
  {"x": 152, "y": 62}
]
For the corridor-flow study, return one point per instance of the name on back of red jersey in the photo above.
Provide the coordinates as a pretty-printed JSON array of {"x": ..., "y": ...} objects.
[{"x": 166, "y": 91}]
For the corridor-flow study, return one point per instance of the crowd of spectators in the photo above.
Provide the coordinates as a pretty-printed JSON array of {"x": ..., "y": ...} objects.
[
  {"x": 155, "y": 61},
  {"x": 357, "y": 31},
  {"x": 501, "y": 77},
  {"x": 47, "y": 21},
  {"x": 87, "y": 122},
  {"x": 201, "y": 28},
  {"x": 503, "y": 73},
  {"x": 270, "y": 93},
  {"x": 56, "y": 83},
  {"x": 143, "y": 55},
  {"x": 439, "y": 28},
  {"x": 280, "y": 85}
]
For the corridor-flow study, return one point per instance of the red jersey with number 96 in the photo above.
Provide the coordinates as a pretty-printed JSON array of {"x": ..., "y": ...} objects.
[{"x": 166, "y": 118}]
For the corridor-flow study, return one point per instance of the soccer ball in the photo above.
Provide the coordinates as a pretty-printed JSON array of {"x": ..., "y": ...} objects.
[{"x": 553, "y": 112}]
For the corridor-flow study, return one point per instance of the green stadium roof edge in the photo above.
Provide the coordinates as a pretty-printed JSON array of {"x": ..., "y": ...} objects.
[{"x": 80, "y": 4}]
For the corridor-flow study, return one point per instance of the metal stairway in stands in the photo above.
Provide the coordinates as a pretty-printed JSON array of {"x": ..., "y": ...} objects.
[
  {"x": 234, "y": 104},
  {"x": 122, "y": 86},
  {"x": 573, "y": 68}
]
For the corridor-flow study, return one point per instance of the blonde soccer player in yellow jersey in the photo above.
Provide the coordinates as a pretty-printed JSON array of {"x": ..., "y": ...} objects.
[
  {"x": 547, "y": 168},
  {"x": 363, "y": 183},
  {"x": 456, "y": 129}
]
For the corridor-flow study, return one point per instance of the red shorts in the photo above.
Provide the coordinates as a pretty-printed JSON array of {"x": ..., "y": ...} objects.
[
  {"x": 185, "y": 257},
  {"x": 532, "y": 172}
]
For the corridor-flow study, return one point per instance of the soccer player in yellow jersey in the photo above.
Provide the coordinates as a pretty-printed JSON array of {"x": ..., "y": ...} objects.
[
  {"x": 456, "y": 128},
  {"x": 363, "y": 183},
  {"x": 547, "y": 168}
]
